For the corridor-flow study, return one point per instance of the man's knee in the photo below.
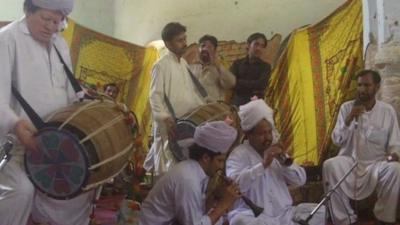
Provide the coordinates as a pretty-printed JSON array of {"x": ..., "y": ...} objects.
[
  {"x": 393, "y": 170},
  {"x": 329, "y": 165}
]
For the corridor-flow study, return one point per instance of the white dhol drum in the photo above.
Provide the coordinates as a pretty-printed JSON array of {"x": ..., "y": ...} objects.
[{"x": 206, "y": 113}]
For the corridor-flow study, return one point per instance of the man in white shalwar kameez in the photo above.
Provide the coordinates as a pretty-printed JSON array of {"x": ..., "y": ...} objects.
[
  {"x": 214, "y": 77},
  {"x": 261, "y": 177},
  {"x": 179, "y": 196},
  {"x": 28, "y": 60},
  {"x": 368, "y": 133},
  {"x": 171, "y": 84}
]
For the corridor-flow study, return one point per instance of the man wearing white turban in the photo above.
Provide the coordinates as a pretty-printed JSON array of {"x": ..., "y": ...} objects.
[
  {"x": 29, "y": 61},
  {"x": 179, "y": 196},
  {"x": 261, "y": 176}
]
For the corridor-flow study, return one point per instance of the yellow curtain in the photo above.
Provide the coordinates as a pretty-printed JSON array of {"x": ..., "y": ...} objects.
[
  {"x": 139, "y": 93},
  {"x": 99, "y": 59},
  {"x": 313, "y": 76}
]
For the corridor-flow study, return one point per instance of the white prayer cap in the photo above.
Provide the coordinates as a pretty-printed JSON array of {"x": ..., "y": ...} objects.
[
  {"x": 216, "y": 136},
  {"x": 63, "y": 6},
  {"x": 253, "y": 112}
]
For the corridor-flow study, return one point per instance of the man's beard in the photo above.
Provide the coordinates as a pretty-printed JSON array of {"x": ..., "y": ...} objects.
[
  {"x": 205, "y": 57},
  {"x": 364, "y": 98}
]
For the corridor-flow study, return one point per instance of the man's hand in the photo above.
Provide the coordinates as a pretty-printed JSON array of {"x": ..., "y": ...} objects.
[
  {"x": 270, "y": 153},
  {"x": 25, "y": 131},
  {"x": 392, "y": 157},
  {"x": 230, "y": 194},
  {"x": 170, "y": 124},
  {"x": 355, "y": 112}
]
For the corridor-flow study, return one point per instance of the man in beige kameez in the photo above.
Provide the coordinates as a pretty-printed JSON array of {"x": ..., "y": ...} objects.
[{"x": 210, "y": 72}]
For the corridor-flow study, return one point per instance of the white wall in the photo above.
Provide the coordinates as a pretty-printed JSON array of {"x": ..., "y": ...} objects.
[
  {"x": 11, "y": 9},
  {"x": 382, "y": 22},
  {"x": 140, "y": 21}
]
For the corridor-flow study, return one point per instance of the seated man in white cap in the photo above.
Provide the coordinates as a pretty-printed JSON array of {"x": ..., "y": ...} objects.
[
  {"x": 29, "y": 61},
  {"x": 264, "y": 179},
  {"x": 179, "y": 196}
]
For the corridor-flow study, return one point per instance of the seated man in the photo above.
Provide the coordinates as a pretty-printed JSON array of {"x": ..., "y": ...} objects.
[
  {"x": 368, "y": 133},
  {"x": 178, "y": 197},
  {"x": 211, "y": 74},
  {"x": 111, "y": 89},
  {"x": 262, "y": 177},
  {"x": 252, "y": 73}
]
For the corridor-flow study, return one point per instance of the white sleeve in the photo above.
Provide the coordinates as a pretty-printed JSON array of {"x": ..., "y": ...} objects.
[
  {"x": 394, "y": 134},
  {"x": 189, "y": 204},
  {"x": 7, "y": 115},
  {"x": 294, "y": 175},
  {"x": 241, "y": 172},
  {"x": 226, "y": 78},
  {"x": 342, "y": 133},
  {"x": 157, "y": 92}
]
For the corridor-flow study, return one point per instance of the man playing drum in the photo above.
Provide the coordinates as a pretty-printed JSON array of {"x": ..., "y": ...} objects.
[
  {"x": 29, "y": 61},
  {"x": 178, "y": 197},
  {"x": 172, "y": 91}
]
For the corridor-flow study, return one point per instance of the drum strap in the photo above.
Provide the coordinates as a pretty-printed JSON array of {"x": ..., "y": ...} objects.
[
  {"x": 202, "y": 91},
  {"x": 33, "y": 116},
  {"x": 75, "y": 84},
  {"x": 169, "y": 106},
  {"x": 198, "y": 85}
]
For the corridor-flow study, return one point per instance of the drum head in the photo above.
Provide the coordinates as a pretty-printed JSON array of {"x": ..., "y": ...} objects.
[
  {"x": 60, "y": 167},
  {"x": 184, "y": 130}
]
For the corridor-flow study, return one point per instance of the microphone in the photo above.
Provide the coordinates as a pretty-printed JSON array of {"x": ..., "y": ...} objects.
[
  {"x": 284, "y": 159},
  {"x": 6, "y": 145},
  {"x": 357, "y": 102}
]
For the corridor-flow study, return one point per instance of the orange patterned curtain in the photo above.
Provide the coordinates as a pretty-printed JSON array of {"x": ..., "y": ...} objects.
[{"x": 313, "y": 76}]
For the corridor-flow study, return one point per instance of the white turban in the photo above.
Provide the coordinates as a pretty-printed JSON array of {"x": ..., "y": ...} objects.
[
  {"x": 253, "y": 112},
  {"x": 216, "y": 136},
  {"x": 64, "y": 6}
]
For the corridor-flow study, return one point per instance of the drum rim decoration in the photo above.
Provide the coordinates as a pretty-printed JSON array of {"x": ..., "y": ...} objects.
[{"x": 81, "y": 149}]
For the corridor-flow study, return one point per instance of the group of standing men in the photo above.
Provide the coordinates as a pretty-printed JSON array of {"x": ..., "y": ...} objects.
[{"x": 178, "y": 88}]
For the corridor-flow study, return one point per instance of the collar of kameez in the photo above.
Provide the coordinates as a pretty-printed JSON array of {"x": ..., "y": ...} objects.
[
  {"x": 178, "y": 60},
  {"x": 250, "y": 148}
]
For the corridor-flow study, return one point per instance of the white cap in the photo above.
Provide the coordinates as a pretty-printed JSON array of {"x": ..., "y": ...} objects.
[
  {"x": 64, "y": 6},
  {"x": 216, "y": 136}
]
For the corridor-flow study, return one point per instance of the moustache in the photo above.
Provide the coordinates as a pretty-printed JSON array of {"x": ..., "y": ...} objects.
[{"x": 204, "y": 52}]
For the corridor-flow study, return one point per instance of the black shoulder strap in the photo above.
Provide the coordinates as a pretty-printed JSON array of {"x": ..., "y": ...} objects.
[
  {"x": 33, "y": 116},
  {"x": 75, "y": 84},
  {"x": 198, "y": 85}
]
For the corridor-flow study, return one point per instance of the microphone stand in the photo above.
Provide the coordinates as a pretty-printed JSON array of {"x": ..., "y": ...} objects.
[
  {"x": 327, "y": 196},
  {"x": 331, "y": 191}
]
